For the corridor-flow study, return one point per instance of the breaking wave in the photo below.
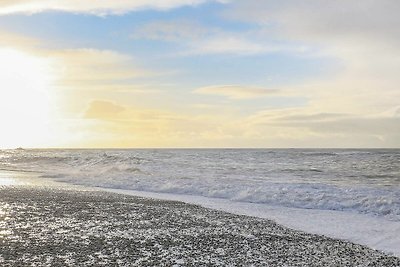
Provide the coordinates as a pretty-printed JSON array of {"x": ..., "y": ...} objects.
[{"x": 355, "y": 181}]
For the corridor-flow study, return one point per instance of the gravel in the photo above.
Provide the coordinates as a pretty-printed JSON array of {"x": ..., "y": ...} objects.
[{"x": 49, "y": 226}]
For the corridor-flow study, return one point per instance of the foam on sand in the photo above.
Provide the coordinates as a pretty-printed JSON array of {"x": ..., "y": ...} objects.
[{"x": 372, "y": 231}]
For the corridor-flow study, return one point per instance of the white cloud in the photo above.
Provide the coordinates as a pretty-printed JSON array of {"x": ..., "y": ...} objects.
[
  {"x": 97, "y": 7},
  {"x": 236, "y": 91},
  {"x": 88, "y": 67},
  {"x": 11, "y": 40},
  {"x": 360, "y": 35},
  {"x": 230, "y": 45},
  {"x": 341, "y": 27},
  {"x": 299, "y": 127},
  {"x": 331, "y": 19},
  {"x": 173, "y": 31},
  {"x": 103, "y": 109},
  {"x": 198, "y": 39}
]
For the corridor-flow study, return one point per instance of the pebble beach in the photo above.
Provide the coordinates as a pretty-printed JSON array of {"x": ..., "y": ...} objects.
[{"x": 55, "y": 226}]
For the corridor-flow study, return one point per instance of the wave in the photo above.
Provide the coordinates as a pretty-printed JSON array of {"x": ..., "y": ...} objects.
[{"x": 263, "y": 179}]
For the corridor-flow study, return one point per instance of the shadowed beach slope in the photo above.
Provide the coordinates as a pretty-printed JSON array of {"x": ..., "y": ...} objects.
[{"x": 49, "y": 226}]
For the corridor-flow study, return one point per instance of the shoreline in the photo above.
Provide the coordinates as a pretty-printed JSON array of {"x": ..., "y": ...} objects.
[
  {"x": 373, "y": 232},
  {"x": 68, "y": 226}
]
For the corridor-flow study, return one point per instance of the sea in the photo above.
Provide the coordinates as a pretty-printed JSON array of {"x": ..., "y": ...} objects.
[{"x": 352, "y": 194}]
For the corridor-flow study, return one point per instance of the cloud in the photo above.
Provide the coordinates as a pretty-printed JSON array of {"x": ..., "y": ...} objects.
[
  {"x": 103, "y": 109},
  {"x": 230, "y": 44},
  {"x": 337, "y": 123},
  {"x": 196, "y": 38},
  {"x": 93, "y": 68},
  {"x": 356, "y": 125},
  {"x": 301, "y": 128},
  {"x": 86, "y": 74},
  {"x": 333, "y": 19},
  {"x": 236, "y": 91},
  {"x": 293, "y": 127},
  {"x": 76, "y": 75},
  {"x": 114, "y": 124},
  {"x": 83, "y": 67},
  {"x": 173, "y": 31},
  {"x": 112, "y": 111},
  {"x": 11, "y": 40},
  {"x": 349, "y": 30},
  {"x": 317, "y": 117},
  {"x": 98, "y": 7},
  {"x": 342, "y": 28},
  {"x": 87, "y": 63},
  {"x": 358, "y": 35},
  {"x": 72, "y": 78},
  {"x": 358, "y": 106},
  {"x": 380, "y": 131}
]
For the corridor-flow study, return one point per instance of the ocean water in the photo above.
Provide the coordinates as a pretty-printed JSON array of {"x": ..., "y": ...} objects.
[{"x": 355, "y": 181}]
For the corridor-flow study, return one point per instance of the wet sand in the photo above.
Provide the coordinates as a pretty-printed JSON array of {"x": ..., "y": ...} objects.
[{"x": 54, "y": 226}]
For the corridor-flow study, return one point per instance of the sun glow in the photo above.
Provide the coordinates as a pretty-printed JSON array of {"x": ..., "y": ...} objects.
[{"x": 25, "y": 100}]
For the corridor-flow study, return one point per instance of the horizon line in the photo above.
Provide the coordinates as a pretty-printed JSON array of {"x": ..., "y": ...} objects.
[{"x": 185, "y": 148}]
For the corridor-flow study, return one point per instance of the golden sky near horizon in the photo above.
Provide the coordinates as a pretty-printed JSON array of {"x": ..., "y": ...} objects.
[{"x": 199, "y": 74}]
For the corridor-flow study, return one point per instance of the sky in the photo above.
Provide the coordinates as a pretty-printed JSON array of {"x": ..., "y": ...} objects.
[{"x": 200, "y": 73}]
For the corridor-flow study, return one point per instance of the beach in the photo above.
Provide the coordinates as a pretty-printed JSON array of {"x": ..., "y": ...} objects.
[
  {"x": 44, "y": 225},
  {"x": 200, "y": 133},
  {"x": 344, "y": 194}
]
